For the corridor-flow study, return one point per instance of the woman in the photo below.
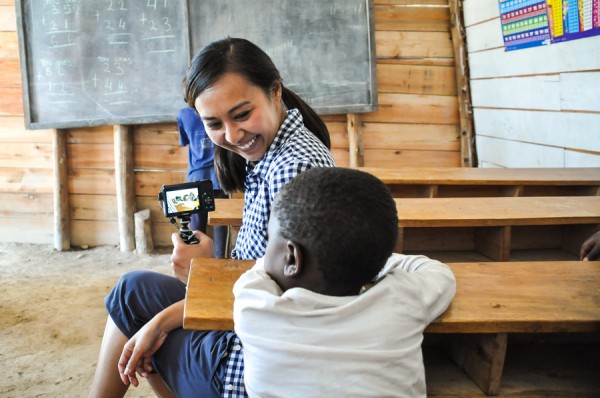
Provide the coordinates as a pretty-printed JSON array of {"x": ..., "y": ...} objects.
[{"x": 266, "y": 135}]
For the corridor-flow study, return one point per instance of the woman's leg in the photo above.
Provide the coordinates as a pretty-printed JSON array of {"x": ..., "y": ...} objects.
[{"x": 107, "y": 382}]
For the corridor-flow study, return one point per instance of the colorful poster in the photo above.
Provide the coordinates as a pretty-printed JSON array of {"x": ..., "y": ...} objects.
[
  {"x": 524, "y": 23},
  {"x": 529, "y": 23},
  {"x": 573, "y": 19}
]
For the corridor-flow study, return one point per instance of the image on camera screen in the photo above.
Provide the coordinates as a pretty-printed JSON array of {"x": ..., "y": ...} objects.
[{"x": 183, "y": 200}]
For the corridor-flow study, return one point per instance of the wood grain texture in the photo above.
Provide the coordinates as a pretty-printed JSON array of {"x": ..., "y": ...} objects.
[
  {"x": 464, "y": 212},
  {"x": 491, "y": 297}
]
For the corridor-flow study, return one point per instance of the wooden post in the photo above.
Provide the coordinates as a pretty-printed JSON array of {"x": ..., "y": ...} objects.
[
  {"x": 355, "y": 141},
  {"x": 62, "y": 217},
  {"x": 143, "y": 232},
  {"x": 467, "y": 135},
  {"x": 125, "y": 181}
]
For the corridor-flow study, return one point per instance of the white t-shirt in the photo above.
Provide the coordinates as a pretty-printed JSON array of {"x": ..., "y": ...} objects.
[{"x": 303, "y": 344}]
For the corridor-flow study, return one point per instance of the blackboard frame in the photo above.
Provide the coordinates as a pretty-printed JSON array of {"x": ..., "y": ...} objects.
[{"x": 34, "y": 121}]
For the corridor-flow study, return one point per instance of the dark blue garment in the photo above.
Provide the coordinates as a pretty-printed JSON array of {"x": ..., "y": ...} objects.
[
  {"x": 201, "y": 150},
  {"x": 191, "y": 362}
]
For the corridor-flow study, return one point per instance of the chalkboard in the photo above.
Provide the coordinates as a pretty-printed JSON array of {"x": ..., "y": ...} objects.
[
  {"x": 88, "y": 63},
  {"x": 323, "y": 49}
]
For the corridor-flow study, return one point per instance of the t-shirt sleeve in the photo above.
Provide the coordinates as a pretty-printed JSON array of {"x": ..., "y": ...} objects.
[{"x": 183, "y": 137}]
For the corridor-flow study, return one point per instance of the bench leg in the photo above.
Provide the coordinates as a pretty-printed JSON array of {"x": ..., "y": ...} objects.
[{"x": 481, "y": 357}]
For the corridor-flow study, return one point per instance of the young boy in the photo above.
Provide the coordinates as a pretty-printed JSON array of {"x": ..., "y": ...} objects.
[
  {"x": 329, "y": 311},
  {"x": 310, "y": 321}
]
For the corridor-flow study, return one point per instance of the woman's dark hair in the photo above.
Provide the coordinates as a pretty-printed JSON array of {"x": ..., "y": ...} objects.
[{"x": 243, "y": 57}]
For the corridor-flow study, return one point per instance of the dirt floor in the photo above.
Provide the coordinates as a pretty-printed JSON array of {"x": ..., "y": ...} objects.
[{"x": 52, "y": 316}]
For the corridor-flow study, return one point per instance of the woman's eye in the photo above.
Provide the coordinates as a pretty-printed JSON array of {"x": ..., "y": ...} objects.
[
  {"x": 243, "y": 115},
  {"x": 214, "y": 125}
]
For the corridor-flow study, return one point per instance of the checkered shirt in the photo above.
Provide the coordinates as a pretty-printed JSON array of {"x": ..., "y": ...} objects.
[
  {"x": 294, "y": 150},
  {"x": 233, "y": 384}
]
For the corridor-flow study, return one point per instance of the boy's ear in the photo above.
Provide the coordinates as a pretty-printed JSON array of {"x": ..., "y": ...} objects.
[{"x": 293, "y": 259}]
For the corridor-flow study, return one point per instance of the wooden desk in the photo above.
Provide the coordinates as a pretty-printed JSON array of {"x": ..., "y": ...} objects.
[
  {"x": 492, "y": 299},
  {"x": 463, "y": 212},
  {"x": 465, "y": 181},
  {"x": 479, "y": 229}
]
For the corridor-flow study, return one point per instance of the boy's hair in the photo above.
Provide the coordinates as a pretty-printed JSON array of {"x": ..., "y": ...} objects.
[
  {"x": 345, "y": 219},
  {"x": 243, "y": 57}
]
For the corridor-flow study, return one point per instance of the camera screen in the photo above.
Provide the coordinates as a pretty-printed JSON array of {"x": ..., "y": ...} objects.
[{"x": 182, "y": 200}]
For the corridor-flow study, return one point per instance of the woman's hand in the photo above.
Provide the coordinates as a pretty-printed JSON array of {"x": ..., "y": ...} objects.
[
  {"x": 183, "y": 253},
  {"x": 137, "y": 353}
]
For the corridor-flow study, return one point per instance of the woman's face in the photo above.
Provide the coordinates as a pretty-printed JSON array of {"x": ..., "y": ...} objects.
[{"x": 239, "y": 116}]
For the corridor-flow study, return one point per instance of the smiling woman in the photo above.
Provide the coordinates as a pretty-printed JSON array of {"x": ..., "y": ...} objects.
[{"x": 265, "y": 134}]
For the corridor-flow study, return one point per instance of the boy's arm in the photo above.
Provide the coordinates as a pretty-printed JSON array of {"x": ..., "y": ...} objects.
[{"x": 434, "y": 280}]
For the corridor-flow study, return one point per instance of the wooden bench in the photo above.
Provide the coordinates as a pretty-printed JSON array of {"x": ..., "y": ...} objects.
[
  {"x": 480, "y": 229},
  {"x": 492, "y": 300},
  {"x": 430, "y": 182}
]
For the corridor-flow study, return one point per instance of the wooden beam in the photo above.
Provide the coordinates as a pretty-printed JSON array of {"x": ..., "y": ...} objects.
[
  {"x": 467, "y": 133},
  {"x": 481, "y": 356},
  {"x": 125, "y": 186},
  {"x": 62, "y": 232},
  {"x": 355, "y": 141}
]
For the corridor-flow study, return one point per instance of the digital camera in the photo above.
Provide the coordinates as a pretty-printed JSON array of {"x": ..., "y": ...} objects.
[{"x": 183, "y": 200}]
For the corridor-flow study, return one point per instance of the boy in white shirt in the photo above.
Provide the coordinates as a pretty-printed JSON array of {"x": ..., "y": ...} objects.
[{"x": 330, "y": 311}]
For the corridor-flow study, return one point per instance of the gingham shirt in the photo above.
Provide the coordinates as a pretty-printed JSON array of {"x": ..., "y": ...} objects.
[{"x": 294, "y": 150}]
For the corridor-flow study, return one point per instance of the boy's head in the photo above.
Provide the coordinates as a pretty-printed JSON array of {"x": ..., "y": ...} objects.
[{"x": 331, "y": 231}]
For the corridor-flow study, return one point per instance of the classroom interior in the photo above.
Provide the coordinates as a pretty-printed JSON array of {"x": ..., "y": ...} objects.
[{"x": 450, "y": 98}]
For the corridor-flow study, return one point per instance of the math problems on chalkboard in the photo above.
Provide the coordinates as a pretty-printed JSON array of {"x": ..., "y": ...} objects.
[
  {"x": 103, "y": 62},
  {"x": 88, "y": 63}
]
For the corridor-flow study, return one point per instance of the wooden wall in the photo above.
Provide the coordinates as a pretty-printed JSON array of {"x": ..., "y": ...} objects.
[
  {"x": 417, "y": 124},
  {"x": 536, "y": 107}
]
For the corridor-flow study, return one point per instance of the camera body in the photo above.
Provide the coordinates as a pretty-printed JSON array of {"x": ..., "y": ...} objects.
[{"x": 183, "y": 200}]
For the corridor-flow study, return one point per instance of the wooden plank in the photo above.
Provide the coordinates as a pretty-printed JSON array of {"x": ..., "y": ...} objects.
[
  {"x": 25, "y": 205},
  {"x": 464, "y": 212},
  {"x": 8, "y": 19},
  {"x": 93, "y": 207},
  {"x": 11, "y": 103},
  {"x": 91, "y": 135},
  {"x": 490, "y": 298},
  {"x": 509, "y": 153},
  {"x": 535, "y": 92},
  {"x": 91, "y": 156},
  {"x": 468, "y": 157},
  {"x": 548, "y": 59},
  {"x": 416, "y": 79},
  {"x": 411, "y": 158},
  {"x": 92, "y": 181},
  {"x": 391, "y": 135},
  {"x": 391, "y": 44},
  {"x": 355, "y": 141},
  {"x": 577, "y": 90},
  {"x": 481, "y": 356},
  {"x": 494, "y": 242},
  {"x": 33, "y": 181},
  {"x": 12, "y": 129},
  {"x": 156, "y": 134},
  {"x": 341, "y": 157},
  {"x": 477, "y": 11},
  {"x": 11, "y": 73},
  {"x": 85, "y": 233},
  {"x": 160, "y": 157},
  {"x": 23, "y": 230},
  {"x": 481, "y": 176},
  {"x": 149, "y": 183},
  {"x": 410, "y": 108},
  {"x": 541, "y": 127},
  {"x": 9, "y": 45},
  {"x": 125, "y": 186},
  {"x": 411, "y": 17},
  {"x": 338, "y": 133},
  {"x": 62, "y": 231},
  {"x": 26, "y": 154}
]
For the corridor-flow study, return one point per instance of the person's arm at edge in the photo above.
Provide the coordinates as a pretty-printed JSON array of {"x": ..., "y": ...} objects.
[{"x": 590, "y": 249}]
